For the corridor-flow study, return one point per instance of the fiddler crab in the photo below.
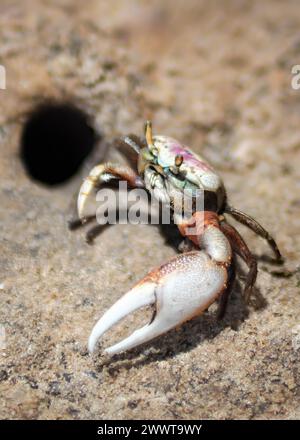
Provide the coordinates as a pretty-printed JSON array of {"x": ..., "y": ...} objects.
[{"x": 186, "y": 285}]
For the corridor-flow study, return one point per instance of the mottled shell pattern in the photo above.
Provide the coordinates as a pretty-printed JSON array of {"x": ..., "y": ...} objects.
[{"x": 184, "y": 169}]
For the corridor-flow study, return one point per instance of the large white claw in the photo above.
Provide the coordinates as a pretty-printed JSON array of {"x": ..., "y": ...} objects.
[{"x": 182, "y": 288}]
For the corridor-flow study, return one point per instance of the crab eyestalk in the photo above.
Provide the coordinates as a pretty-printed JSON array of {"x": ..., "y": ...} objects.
[
  {"x": 148, "y": 134},
  {"x": 178, "y": 160},
  {"x": 177, "y": 164},
  {"x": 146, "y": 156}
]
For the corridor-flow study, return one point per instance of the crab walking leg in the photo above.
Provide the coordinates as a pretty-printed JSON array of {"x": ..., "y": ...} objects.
[
  {"x": 181, "y": 289},
  {"x": 240, "y": 247},
  {"x": 222, "y": 307},
  {"x": 252, "y": 224},
  {"x": 104, "y": 173},
  {"x": 130, "y": 147}
]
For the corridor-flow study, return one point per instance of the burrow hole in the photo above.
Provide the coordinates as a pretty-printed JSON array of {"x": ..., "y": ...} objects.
[{"x": 55, "y": 140}]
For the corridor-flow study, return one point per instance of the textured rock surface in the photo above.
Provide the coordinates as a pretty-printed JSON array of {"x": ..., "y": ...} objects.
[{"x": 217, "y": 76}]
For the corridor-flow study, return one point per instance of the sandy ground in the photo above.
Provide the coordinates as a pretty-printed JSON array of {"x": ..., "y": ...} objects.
[{"x": 216, "y": 75}]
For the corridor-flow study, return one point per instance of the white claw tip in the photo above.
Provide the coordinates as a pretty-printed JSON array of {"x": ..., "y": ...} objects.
[
  {"x": 92, "y": 343},
  {"x": 140, "y": 296}
]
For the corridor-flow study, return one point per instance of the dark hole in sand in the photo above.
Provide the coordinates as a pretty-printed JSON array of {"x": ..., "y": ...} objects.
[{"x": 56, "y": 139}]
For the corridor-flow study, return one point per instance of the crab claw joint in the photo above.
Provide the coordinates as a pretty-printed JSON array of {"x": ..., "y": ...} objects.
[{"x": 180, "y": 289}]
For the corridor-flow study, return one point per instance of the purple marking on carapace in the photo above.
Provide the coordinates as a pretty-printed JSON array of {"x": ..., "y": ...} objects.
[{"x": 188, "y": 157}]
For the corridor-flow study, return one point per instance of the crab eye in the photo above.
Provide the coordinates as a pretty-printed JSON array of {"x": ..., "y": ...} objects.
[
  {"x": 178, "y": 160},
  {"x": 154, "y": 151}
]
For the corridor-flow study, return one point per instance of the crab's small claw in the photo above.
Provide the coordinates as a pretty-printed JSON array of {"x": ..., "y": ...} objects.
[
  {"x": 101, "y": 174},
  {"x": 180, "y": 289},
  {"x": 87, "y": 186}
]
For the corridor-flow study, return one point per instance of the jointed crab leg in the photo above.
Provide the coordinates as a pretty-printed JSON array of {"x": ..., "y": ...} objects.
[
  {"x": 182, "y": 288},
  {"x": 104, "y": 173},
  {"x": 226, "y": 294},
  {"x": 240, "y": 247},
  {"x": 252, "y": 224},
  {"x": 130, "y": 147}
]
